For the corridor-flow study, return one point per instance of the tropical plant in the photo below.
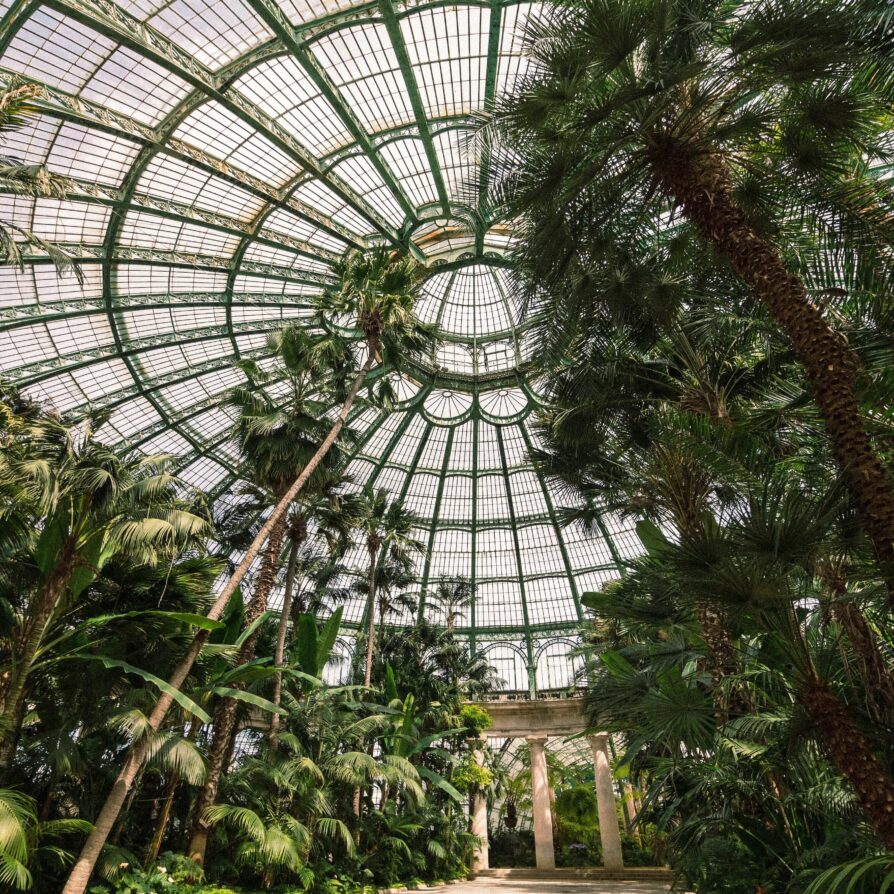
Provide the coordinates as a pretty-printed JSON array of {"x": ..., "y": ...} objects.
[
  {"x": 376, "y": 291},
  {"x": 16, "y": 107},
  {"x": 387, "y": 531},
  {"x": 85, "y": 505},
  {"x": 452, "y": 596},
  {"x": 735, "y": 138},
  {"x": 277, "y": 440},
  {"x": 25, "y": 839}
]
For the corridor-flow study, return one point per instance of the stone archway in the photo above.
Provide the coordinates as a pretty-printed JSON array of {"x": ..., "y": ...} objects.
[{"x": 536, "y": 721}]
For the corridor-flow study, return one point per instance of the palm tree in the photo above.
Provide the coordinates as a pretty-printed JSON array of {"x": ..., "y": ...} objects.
[
  {"x": 657, "y": 123},
  {"x": 276, "y": 441},
  {"x": 386, "y": 527},
  {"x": 22, "y": 838},
  {"x": 452, "y": 595},
  {"x": 391, "y": 598},
  {"x": 752, "y": 564},
  {"x": 376, "y": 293},
  {"x": 284, "y": 809},
  {"x": 16, "y": 107},
  {"x": 331, "y": 510},
  {"x": 86, "y": 505}
]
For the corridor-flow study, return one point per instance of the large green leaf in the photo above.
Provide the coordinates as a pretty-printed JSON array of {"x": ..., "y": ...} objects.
[
  {"x": 249, "y": 698},
  {"x": 49, "y": 544},
  {"x": 651, "y": 537},
  {"x": 184, "y": 701},
  {"x": 328, "y": 635},
  {"x": 250, "y": 630},
  {"x": 307, "y": 641},
  {"x": 189, "y": 618},
  {"x": 89, "y": 563},
  {"x": 232, "y": 619},
  {"x": 440, "y": 782}
]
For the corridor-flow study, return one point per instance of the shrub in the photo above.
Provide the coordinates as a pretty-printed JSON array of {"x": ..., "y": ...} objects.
[{"x": 476, "y": 720}]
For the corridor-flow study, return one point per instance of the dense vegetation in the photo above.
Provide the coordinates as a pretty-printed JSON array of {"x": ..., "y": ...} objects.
[
  {"x": 706, "y": 246},
  {"x": 106, "y": 572},
  {"x": 705, "y": 253}
]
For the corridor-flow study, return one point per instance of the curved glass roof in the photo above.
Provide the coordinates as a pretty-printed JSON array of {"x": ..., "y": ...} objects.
[{"x": 222, "y": 154}]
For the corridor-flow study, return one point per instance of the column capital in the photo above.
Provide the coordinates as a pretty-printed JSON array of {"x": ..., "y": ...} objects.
[{"x": 536, "y": 741}]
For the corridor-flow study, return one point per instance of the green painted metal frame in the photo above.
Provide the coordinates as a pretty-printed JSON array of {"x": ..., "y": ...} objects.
[{"x": 112, "y": 21}]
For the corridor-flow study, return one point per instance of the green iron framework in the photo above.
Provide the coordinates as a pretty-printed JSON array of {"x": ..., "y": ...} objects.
[{"x": 222, "y": 154}]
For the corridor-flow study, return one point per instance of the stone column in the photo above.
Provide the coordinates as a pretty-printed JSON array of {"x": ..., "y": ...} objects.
[
  {"x": 543, "y": 822},
  {"x": 605, "y": 800},
  {"x": 480, "y": 859}
]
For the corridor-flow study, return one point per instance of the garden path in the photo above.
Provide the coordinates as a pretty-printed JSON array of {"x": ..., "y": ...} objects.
[{"x": 558, "y": 886}]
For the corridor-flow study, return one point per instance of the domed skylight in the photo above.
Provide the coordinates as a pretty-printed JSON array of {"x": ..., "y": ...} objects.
[{"x": 223, "y": 153}]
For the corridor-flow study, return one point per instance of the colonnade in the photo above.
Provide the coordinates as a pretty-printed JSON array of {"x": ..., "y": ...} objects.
[{"x": 609, "y": 830}]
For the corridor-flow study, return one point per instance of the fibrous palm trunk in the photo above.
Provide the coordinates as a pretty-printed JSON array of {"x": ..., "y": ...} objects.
[
  {"x": 873, "y": 669},
  {"x": 702, "y": 186},
  {"x": 224, "y": 721},
  {"x": 79, "y": 877},
  {"x": 850, "y": 752},
  {"x": 13, "y": 690}
]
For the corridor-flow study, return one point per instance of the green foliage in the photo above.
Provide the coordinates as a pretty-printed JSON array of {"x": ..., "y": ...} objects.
[
  {"x": 475, "y": 719},
  {"x": 469, "y": 776}
]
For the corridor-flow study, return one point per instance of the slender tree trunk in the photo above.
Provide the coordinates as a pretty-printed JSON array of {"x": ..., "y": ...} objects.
[
  {"x": 702, "y": 186},
  {"x": 79, "y": 877},
  {"x": 164, "y": 815},
  {"x": 373, "y": 550},
  {"x": 371, "y": 610},
  {"x": 850, "y": 752},
  {"x": 167, "y": 804},
  {"x": 281, "y": 633},
  {"x": 13, "y": 691},
  {"x": 224, "y": 722}
]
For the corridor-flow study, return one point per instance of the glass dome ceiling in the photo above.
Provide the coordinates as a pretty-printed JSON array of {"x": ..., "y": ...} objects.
[{"x": 222, "y": 153}]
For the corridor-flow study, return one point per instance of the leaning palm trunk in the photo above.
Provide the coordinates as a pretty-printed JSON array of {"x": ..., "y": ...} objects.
[
  {"x": 224, "y": 722},
  {"x": 12, "y": 696},
  {"x": 702, "y": 186},
  {"x": 83, "y": 867},
  {"x": 852, "y": 756},
  {"x": 873, "y": 669},
  {"x": 281, "y": 638}
]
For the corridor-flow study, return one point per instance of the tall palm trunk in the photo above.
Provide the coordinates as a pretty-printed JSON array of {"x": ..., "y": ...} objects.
[
  {"x": 13, "y": 691},
  {"x": 873, "y": 669},
  {"x": 79, "y": 877},
  {"x": 372, "y": 546},
  {"x": 224, "y": 722},
  {"x": 161, "y": 824},
  {"x": 281, "y": 633},
  {"x": 702, "y": 186},
  {"x": 373, "y": 549},
  {"x": 720, "y": 652},
  {"x": 850, "y": 752},
  {"x": 167, "y": 804}
]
